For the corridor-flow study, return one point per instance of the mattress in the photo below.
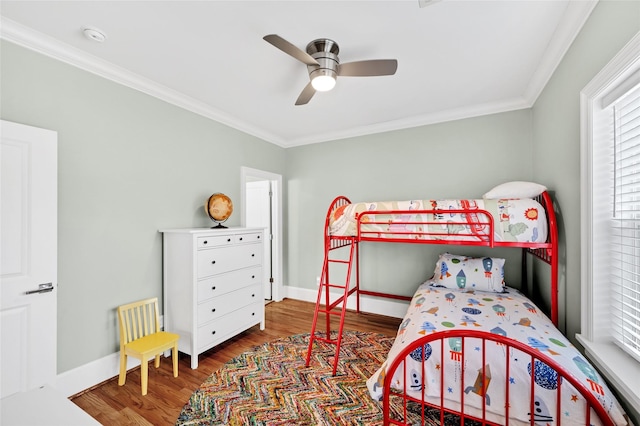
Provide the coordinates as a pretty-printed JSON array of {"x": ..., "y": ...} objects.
[
  {"x": 515, "y": 220},
  {"x": 510, "y": 314}
]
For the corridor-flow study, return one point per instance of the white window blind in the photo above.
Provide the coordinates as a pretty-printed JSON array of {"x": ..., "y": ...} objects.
[{"x": 625, "y": 250}]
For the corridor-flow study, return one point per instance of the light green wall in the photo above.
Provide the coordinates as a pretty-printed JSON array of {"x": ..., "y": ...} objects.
[
  {"x": 450, "y": 160},
  {"x": 128, "y": 165},
  {"x": 556, "y": 133}
]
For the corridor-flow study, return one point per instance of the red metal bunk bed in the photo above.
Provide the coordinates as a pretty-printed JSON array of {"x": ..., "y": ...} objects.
[{"x": 424, "y": 226}]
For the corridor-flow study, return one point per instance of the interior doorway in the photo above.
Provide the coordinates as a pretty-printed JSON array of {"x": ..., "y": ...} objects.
[{"x": 261, "y": 194}]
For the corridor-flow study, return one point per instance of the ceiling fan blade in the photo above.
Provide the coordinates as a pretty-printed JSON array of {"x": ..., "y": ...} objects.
[
  {"x": 368, "y": 68},
  {"x": 290, "y": 49},
  {"x": 306, "y": 94}
]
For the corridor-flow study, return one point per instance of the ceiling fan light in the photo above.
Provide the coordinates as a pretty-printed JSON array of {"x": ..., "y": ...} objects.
[{"x": 323, "y": 83}]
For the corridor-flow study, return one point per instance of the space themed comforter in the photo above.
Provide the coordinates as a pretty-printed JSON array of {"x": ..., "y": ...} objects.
[
  {"x": 515, "y": 220},
  {"x": 509, "y": 314}
]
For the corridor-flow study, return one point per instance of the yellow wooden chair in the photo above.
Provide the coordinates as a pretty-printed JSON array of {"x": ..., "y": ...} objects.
[{"x": 141, "y": 337}]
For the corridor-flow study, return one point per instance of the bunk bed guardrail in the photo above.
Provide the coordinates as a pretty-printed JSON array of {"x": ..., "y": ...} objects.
[{"x": 409, "y": 409}]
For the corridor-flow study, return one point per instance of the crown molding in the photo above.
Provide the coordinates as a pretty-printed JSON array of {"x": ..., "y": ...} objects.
[
  {"x": 21, "y": 35},
  {"x": 415, "y": 121},
  {"x": 574, "y": 18}
]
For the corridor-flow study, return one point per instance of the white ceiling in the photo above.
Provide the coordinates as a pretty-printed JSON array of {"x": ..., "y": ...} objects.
[{"x": 456, "y": 58}]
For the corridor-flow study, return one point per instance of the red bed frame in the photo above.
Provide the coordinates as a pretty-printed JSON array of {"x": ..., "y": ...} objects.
[{"x": 481, "y": 219}]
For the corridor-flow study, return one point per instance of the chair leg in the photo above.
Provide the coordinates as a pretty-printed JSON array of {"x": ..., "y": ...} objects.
[
  {"x": 157, "y": 361},
  {"x": 144, "y": 375},
  {"x": 123, "y": 368},
  {"x": 174, "y": 355}
]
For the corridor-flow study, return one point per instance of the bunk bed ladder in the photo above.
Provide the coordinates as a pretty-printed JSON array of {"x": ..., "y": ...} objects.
[{"x": 336, "y": 308}]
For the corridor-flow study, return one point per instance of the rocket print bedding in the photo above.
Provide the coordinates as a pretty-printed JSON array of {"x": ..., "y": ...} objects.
[
  {"x": 515, "y": 220},
  {"x": 508, "y": 313}
]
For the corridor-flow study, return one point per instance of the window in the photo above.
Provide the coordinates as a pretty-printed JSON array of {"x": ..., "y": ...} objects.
[
  {"x": 625, "y": 224},
  {"x": 610, "y": 261}
]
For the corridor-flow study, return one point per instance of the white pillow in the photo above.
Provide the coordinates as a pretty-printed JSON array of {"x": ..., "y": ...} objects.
[{"x": 515, "y": 189}]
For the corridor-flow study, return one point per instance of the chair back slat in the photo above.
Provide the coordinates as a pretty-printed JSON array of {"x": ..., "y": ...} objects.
[
  {"x": 144, "y": 327},
  {"x": 138, "y": 322},
  {"x": 127, "y": 326},
  {"x": 138, "y": 319}
]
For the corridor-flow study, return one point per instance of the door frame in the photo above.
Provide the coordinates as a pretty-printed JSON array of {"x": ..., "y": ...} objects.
[{"x": 248, "y": 174}]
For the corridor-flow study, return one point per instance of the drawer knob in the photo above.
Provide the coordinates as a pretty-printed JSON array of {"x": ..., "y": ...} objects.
[
  {"x": 253, "y": 295},
  {"x": 228, "y": 240},
  {"x": 205, "y": 242},
  {"x": 253, "y": 313},
  {"x": 253, "y": 255},
  {"x": 213, "y": 332},
  {"x": 213, "y": 310},
  {"x": 253, "y": 276},
  {"x": 258, "y": 236},
  {"x": 213, "y": 262},
  {"x": 240, "y": 238},
  {"x": 213, "y": 288}
]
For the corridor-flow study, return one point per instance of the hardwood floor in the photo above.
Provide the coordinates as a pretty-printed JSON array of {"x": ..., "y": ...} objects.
[{"x": 111, "y": 404}]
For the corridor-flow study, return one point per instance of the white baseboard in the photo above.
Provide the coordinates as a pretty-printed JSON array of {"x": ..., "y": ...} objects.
[
  {"x": 93, "y": 373},
  {"x": 88, "y": 375}
]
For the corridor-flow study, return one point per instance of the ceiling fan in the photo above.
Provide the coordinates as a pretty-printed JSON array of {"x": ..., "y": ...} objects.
[{"x": 324, "y": 67}]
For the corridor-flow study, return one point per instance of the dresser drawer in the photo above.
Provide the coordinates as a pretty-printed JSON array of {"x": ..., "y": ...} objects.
[
  {"x": 219, "y": 306},
  {"x": 218, "y": 285},
  {"x": 219, "y": 260},
  {"x": 221, "y": 329},
  {"x": 215, "y": 241},
  {"x": 253, "y": 237}
]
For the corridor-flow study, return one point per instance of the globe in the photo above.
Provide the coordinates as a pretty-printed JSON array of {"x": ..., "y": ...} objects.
[{"x": 219, "y": 207}]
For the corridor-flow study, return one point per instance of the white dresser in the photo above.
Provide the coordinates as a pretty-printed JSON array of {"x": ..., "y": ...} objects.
[{"x": 213, "y": 285}]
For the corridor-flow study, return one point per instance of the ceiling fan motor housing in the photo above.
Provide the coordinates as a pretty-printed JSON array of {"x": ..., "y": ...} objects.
[{"x": 325, "y": 51}]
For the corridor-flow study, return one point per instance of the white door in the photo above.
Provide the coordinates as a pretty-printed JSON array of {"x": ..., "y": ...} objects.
[
  {"x": 28, "y": 252},
  {"x": 258, "y": 214}
]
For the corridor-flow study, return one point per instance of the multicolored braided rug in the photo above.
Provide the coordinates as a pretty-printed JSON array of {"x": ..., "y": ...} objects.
[{"x": 271, "y": 385}]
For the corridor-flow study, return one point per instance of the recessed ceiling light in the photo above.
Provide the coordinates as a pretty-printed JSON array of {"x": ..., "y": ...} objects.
[{"x": 94, "y": 34}]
